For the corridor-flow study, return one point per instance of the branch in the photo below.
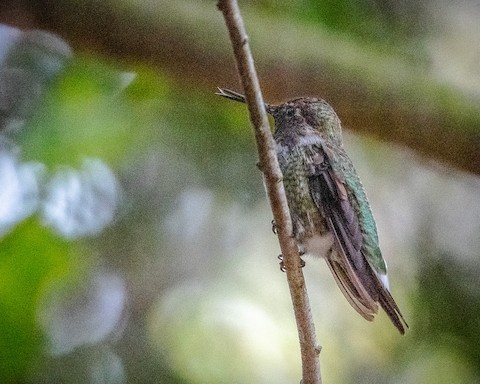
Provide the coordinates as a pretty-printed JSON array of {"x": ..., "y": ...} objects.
[{"x": 275, "y": 191}]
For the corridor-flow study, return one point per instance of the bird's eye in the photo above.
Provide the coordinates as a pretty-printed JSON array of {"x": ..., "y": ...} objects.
[{"x": 289, "y": 112}]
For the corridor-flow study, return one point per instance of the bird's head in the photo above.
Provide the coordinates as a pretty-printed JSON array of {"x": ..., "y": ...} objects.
[{"x": 299, "y": 117}]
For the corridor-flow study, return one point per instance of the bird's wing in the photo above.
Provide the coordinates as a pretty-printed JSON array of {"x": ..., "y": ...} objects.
[{"x": 351, "y": 270}]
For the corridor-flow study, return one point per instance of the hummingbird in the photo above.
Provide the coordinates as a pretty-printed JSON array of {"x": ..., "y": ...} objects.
[{"x": 330, "y": 213}]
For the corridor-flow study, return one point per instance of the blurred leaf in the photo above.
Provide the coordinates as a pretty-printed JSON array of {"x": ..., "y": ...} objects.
[
  {"x": 87, "y": 113},
  {"x": 31, "y": 257},
  {"x": 29, "y": 61},
  {"x": 448, "y": 307}
]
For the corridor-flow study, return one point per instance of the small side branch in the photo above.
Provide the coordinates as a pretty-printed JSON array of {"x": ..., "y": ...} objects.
[{"x": 275, "y": 191}]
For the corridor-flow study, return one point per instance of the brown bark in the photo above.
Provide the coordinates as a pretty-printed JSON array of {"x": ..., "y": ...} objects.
[{"x": 276, "y": 193}]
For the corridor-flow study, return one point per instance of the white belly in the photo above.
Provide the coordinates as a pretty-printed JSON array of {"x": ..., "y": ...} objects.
[{"x": 319, "y": 245}]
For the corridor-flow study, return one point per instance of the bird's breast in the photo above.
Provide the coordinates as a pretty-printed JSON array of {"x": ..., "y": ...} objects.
[{"x": 309, "y": 225}]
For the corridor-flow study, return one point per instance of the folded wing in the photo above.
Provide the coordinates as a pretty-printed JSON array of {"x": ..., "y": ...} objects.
[{"x": 350, "y": 267}]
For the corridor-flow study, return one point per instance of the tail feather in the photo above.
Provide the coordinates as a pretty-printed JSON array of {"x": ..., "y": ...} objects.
[
  {"x": 353, "y": 291},
  {"x": 390, "y": 307},
  {"x": 364, "y": 302},
  {"x": 364, "y": 291}
]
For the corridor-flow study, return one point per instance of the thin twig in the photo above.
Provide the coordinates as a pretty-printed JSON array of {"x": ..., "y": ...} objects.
[{"x": 275, "y": 191}]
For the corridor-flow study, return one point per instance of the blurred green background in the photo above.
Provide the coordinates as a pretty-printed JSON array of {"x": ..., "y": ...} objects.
[{"x": 135, "y": 236}]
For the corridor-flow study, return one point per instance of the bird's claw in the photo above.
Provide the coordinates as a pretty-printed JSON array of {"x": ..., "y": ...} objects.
[
  {"x": 282, "y": 264},
  {"x": 274, "y": 227}
]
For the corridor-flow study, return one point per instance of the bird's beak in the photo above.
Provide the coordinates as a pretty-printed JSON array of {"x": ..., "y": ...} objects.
[
  {"x": 232, "y": 95},
  {"x": 235, "y": 96}
]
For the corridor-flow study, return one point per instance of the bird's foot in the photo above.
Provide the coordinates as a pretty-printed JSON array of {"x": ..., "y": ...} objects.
[
  {"x": 282, "y": 264},
  {"x": 274, "y": 227}
]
